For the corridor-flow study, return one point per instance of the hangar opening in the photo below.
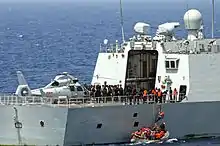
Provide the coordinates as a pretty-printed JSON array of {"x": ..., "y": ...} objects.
[{"x": 141, "y": 69}]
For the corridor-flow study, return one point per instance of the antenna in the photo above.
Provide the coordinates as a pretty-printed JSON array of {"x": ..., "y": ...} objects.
[
  {"x": 213, "y": 13},
  {"x": 187, "y": 8},
  {"x": 122, "y": 29}
]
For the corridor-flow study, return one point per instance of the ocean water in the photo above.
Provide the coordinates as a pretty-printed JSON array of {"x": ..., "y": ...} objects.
[{"x": 43, "y": 39}]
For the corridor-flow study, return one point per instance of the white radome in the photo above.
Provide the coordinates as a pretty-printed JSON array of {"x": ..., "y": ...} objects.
[
  {"x": 193, "y": 19},
  {"x": 142, "y": 28}
]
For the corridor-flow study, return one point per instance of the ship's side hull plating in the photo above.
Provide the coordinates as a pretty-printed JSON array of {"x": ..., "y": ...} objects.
[
  {"x": 198, "y": 118},
  {"x": 107, "y": 124},
  {"x": 110, "y": 124},
  {"x": 181, "y": 120},
  {"x": 38, "y": 125}
]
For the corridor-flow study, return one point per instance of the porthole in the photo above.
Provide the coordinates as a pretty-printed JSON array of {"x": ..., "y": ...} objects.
[
  {"x": 135, "y": 114},
  {"x": 99, "y": 126},
  {"x": 42, "y": 123},
  {"x": 136, "y": 124}
]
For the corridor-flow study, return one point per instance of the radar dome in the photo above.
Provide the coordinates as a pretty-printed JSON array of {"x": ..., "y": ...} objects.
[
  {"x": 193, "y": 19},
  {"x": 142, "y": 28}
]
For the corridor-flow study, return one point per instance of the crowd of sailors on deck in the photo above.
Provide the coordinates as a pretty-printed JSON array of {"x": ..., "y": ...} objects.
[{"x": 132, "y": 94}]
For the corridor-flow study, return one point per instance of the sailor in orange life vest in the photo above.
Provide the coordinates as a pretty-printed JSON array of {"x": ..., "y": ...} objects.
[
  {"x": 160, "y": 132},
  {"x": 154, "y": 132},
  {"x": 143, "y": 133}
]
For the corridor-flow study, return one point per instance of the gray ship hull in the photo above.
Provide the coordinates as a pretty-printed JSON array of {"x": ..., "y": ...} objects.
[
  {"x": 100, "y": 125},
  {"x": 32, "y": 132},
  {"x": 199, "y": 118},
  {"x": 181, "y": 119}
]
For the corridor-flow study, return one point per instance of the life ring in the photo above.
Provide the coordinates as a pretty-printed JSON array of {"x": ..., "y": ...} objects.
[{"x": 23, "y": 90}]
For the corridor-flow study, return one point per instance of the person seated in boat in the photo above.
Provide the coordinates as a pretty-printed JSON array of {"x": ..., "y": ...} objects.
[
  {"x": 160, "y": 132},
  {"x": 155, "y": 127},
  {"x": 137, "y": 134},
  {"x": 146, "y": 132},
  {"x": 154, "y": 132},
  {"x": 143, "y": 133},
  {"x": 159, "y": 135}
]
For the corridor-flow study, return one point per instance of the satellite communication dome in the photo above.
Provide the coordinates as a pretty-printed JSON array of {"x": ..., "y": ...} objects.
[
  {"x": 142, "y": 28},
  {"x": 193, "y": 19}
]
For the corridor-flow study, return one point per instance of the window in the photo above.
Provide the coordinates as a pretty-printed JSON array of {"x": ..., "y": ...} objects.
[
  {"x": 172, "y": 64},
  {"x": 177, "y": 63},
  {"x": 202, "y": 48},
  {"x": 135, "y": 114},
  {"x": 79, "y": 88},
  {"x": 99, "y": 126},
  {"x": 136, "y": 124},
  {"x": 167, "y": 64},
  {"x": 55, "y": 84}
]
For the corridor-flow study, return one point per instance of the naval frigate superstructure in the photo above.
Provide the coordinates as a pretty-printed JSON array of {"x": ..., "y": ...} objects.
[{"x": 190, "y": 66}]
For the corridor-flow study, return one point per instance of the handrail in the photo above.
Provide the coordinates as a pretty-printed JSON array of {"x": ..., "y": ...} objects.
[{"x": 84, "y": 101}]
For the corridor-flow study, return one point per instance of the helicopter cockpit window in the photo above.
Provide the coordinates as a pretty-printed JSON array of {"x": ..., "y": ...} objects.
[
  {"x": 75, "y": 81},
  {"x": 79, "y": 88},
  {"x": 55, "y": 84}
]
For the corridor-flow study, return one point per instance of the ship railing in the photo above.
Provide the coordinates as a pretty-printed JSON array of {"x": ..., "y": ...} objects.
[
  {"x": 112, "y": 48},
  {"x": 85, "y": 101},
  {"x": 16, "y": 100},
  {"x": 111, "y": 100}
]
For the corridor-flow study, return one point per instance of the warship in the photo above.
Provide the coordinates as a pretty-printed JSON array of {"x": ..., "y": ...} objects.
[{"x": 190, "y": 65}]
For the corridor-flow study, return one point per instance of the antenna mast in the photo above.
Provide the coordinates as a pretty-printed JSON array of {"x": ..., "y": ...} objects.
[
  {"x": 122, "y": 28},
  {"x": 213, "y": 13}
]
